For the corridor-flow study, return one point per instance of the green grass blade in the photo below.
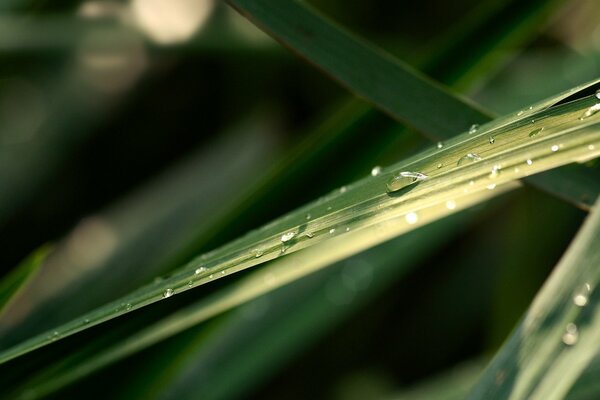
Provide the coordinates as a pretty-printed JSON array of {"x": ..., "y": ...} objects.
[
  {"x": 354, "y": 218},
  {"x": 14, "y": 282},
  {"x": 389, "y": 84},
  {"x": 560, "y": 333}
]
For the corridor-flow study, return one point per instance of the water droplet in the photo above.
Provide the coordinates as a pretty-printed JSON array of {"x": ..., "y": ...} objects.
[
  {"x": 440, "y": 145},
  {"x": 520, "y": 112},
  {"x": 450, "y": 204},
  {"x": 554, "y": 148},
  {"x": 199, "y": 270},
  {"x": 468, "y": 158},
  {"x": 223, "y": 272},
  {"x": 439, "y": 166},
  {"x": 329, "y": 208},
  {"x": 286, "y": 237},
  {"x": 535, "y": 132},
  {"x": 411, "y": 218},
  {"x": 491, "y": 186},
  {"x": 404, "y": 179},
  {"x": 492, "y": 140},
  {"x": 258, "y": 253},
  {"x": 128, "y": 306},
  {"x": 591, "y": 147},
  {"x": 571, "y": 334},
  {"x": 343, "y": 189},
  {"x": 308, "y": 216},
  {"x": 332, "y": 231},
  {"x": 211, "y": 276},
  {"x": 347, "y": 229},
  {"x": 310, "y": 235},
  {"x": 168, "y": 293},
  {"x": 598, "y": 94},
  {"x": 531, "y": 107},
  {"x": 580, "y": 298},
  {"x": 190, "y": 283},
  {"x": 376, "y": 170},
  {"x": 495, "y": 171},
  {"x": 86, "y": 321},
  {"x": 55, "y": 335},
  {"x": 529, "y": 162},
  {"x": 473, "y": 129},
  {"x": 591, "y": 111}
]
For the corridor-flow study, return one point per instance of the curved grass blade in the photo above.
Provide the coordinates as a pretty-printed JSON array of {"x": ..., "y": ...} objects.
[
  {"x": 392, "y": 86},
  {"x": 14, "y": 282},
  {"x": 560, "y": 333},
  {"x": 466, "y": 170}
]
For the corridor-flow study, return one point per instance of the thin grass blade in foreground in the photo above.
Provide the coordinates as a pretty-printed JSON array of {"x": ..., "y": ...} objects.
[
  {"x": 392, "y": 86},
  {"x": 560, "y": 333},
  {"x": 466, "y": 170}
]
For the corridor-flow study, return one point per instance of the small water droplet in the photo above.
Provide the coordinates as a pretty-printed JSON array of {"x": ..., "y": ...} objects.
[
  {"x": 411, "y": 218},
  {"x": 376, "y": 170},
  {"x": 86, "y": 321},
  {"x": 529, "y": 162},
  {"x": 310, "y": 235},
  {"x": 440, "y": 145},
  {"x": 347, "y": 229},
  {"x": 332, "y": 231},
  {"x": 199, "y": 270},
  {"x": 258, "y": 253},
  {"x": 329, "y": 208},
  {"x": 343, "y": 189},
  {"x": 495, "y": 171},
  {"x": 404, "y": 179},
  {"x": 571, "y": 334},
  {"x": 211, "y": 276},
  {"x": 308, "y": 216},
  {"x": 492, "y": 140},
  {"x": 468, "y": 158},
  {"x": 473, "y": 129},
  {"x": 598, "y": 94},
  {"x": 491, "y": 186},
  {"x": 450, "y": 204},
  {"x": 286, "y": 237},
  {"x": 535, "y": 132},
  {"x": 554, "y": 148},
  {"x": 55, "y": 335},
  {"x": 128, "y": 306},
  {"x": 168, "y": 293},
  {"x": 580, "y": 298},
  {"x": 439, "y": 166},
  {"x": 520, "y": 112},
  {"x": 531, "y": 107},
  {"x": 223, "y": 272},
  {"x": 591, "y": 147},
  {"x": 590, "y": 111}
]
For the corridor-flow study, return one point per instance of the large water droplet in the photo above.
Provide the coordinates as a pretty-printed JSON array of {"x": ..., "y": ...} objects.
[
  {"x": 286, "y": 237},
  {"x": 376, "y": 170},
  {"x": 473, "y": 129},
  {"x": 535, "y": 132},
  {"x": 404, "y": 179},
  {"x": 411, "y": 218},
  {"x": 258, "y": 253},
  {"x": 468, "y": 158},
  {"x": 168, "y": 293},
  {"x": 571, "y": 334},
  {"x": 310, "y": 235},
  {"x": 591, "y": 111},
  {"x": 581, "y": 295}
]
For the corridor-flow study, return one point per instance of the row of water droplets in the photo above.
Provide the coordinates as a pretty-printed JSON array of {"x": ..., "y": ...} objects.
[{"x": 580, "y": 299}]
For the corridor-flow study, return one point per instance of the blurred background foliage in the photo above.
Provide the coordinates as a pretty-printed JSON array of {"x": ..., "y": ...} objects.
[{"x": 137, "y": 134}]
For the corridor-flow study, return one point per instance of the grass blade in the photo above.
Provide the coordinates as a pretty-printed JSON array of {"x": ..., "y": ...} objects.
[
  {"x": 362, "y": 215},
  {"x": 559, "y": 334}
]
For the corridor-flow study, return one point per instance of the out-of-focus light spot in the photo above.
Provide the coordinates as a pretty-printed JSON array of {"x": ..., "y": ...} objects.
[
  {"x": 170, "y": 21},
  {"x": 101, "y": 9}
]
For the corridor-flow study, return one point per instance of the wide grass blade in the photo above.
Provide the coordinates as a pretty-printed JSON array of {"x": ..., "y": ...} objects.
[
  {"x": 464, "y": 171},
  {"x": 560, "y": 333}
]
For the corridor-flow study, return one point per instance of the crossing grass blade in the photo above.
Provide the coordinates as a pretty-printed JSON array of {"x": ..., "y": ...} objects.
[{"x": 464, "y": 171}]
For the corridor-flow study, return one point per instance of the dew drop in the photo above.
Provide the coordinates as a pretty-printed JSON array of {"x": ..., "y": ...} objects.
[
  {"x": 190, "y": 283},
  {"x": 591, "y": 147},
  {"x": 439, "y": 166},
  {"x": 598, "y": 94},
  {"x": 468, "y": 158},
  {"x": 258, "y": 253},
  {"x": 332, "y": 231},
  {"x": 495, "y": 171},
  {"x": 440, "y": 145},
  {"x": 200, "y": 270},
  {"x": 404, "y": 179},
  {"x": 580, "y": 298},
  {"x": 286, "y": 237},
  {"x": 128, "y": 306},
  {"x": 310, "y": 235},
  {"x": 492, "y": 140},
  {"x": 491, "y": 186},
  {"x": 86, "y": 321},
  {"x": 329, "y": 208},
  {"x": 554, "y": 148},
  {"x": 211, "y": 276},
  {"x": 343, "y": 189},
  {"x": 308, "y": 216},
  {"x": 571, "y": 334},
  {"x": 520, "y": 113},
  {"x": 450, "y": 204},
  {"x": 167, "y": 293},
  {"x": 376, "y": 170},
  {"x": 590, "y": 111},
  {"x": 347, "y": 229},
  {"x": 55, "y": 335},
  {"x": 473, "y": 129},
  {"x": 411, "y": 218},
  {"x": 535, "y": 132},
  {"x": 529, "y": 162}
]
